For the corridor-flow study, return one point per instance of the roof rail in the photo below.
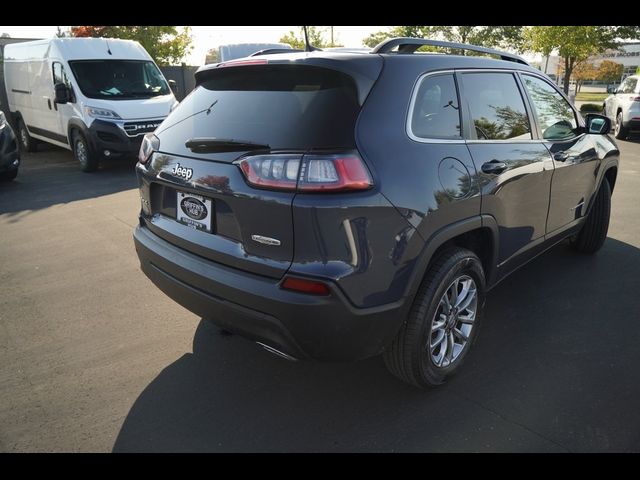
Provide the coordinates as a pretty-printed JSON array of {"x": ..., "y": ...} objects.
[
  {"x": 271, "y": 51},
  {"x": 410, "y": 45}
]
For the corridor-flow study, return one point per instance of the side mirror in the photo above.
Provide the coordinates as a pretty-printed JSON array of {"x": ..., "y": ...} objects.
[
  {"x": 614, "y": 91},
  {"x": 173, "y": 85},
  {"x": 598, "y": 124},
  {"x": 62, "y": 94}
]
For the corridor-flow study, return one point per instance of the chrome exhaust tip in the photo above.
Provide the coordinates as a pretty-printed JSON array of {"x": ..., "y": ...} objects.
[{"x": 277, "y": 352}]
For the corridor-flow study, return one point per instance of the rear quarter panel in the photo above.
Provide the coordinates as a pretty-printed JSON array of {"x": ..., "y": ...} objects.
[{"x": 413, "y": 175}]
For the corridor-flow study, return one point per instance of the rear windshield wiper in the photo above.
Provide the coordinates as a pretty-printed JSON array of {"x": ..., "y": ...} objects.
[{"x": 206, "y": 145}]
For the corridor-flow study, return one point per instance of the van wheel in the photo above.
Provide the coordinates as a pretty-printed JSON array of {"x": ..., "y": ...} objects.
[
  {"x": 27, "y": 144},
  {"x": 620, "y": 132},
  {"x": 594, "y": 230},
  {"x": 443, "y": 322},
  {"x": 87, "y": 158}
]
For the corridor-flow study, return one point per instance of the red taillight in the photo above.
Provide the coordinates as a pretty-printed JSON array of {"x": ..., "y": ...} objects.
[
  {"x": 637, "y": 99},
  {"x": 333, "y": 173},
  {"x": 273, "y": 172},
  {"x": 308, "y": 173},
  {"x": 305, "y": 286},
  {"x": 150, "y": 143}
]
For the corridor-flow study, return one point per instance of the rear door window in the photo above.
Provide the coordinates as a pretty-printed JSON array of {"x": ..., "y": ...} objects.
[{"x": 496, "y": 106}]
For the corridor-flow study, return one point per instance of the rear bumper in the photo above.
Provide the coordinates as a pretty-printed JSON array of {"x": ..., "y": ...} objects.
[
  {"x": 632, "y": 125},
  {"x": 302, "y": 326}
]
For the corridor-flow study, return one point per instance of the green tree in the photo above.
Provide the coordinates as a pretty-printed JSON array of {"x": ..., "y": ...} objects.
[
  {"x": 573, "y": 43},
  {"x": 316, "y": 38},
  {"x": 487, "y": 36},
  {"x": 609, "y": 72},
  {"x": 60, "y": 33},
  {"x": 213, "y": 56},
  {"x": 165, "y": 44},
  {"x": 584, "y": 71},
  {"x": 628, "y": 32}
]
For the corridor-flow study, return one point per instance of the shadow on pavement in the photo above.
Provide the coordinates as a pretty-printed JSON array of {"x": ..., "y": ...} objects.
[
  {"x": 51, "y": 176},
  {"x": 554, "y": 369}
]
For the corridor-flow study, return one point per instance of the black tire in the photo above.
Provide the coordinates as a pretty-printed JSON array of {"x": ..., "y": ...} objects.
[
  {"x": 86, "y": 157},
  {"x": 408, "y": 357},
  {"x": 594, "y": 231},
  {"x": 8, "y": 176},
  {"x": 27, "y": 143},
  {"x": 620, "y": 131}
]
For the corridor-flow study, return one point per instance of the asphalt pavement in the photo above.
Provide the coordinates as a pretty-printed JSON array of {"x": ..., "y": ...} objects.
[{"x": 93, "y": 357}]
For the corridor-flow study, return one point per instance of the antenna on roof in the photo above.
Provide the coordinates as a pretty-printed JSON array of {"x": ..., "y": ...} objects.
[
  {"x": 307, "y": 46},
  {"x": 108, "y": 49}
]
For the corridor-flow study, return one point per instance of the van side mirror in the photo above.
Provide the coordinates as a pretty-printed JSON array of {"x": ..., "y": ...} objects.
[
  {"x": 62, "y": 93},
  {"x": 173, "y": 85},
  {"x": 598, "y": 124}
]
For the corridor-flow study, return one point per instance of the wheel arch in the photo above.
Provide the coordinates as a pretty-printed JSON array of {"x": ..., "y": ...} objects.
[
  {"x": 76, "y": 124},
  {"x": 478, "y": 234}
]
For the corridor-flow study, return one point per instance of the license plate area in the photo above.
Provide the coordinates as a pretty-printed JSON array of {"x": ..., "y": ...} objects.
[{"x": 194, "y": 211}]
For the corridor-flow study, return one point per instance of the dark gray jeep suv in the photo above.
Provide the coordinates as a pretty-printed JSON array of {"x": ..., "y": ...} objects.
[{"x": 335, "y": 205}]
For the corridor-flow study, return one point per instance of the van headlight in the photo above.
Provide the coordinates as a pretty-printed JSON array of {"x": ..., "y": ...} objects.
[
  {"x": 3, "y": 120},
  {"x": 96, "y": 112}
]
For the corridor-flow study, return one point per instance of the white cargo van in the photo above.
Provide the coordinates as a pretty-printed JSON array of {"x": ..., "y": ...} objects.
[{"x": 95, "y": 96}]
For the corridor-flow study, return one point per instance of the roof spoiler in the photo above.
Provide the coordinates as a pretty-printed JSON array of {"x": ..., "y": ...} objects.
[{"x": 407, "y": 45}]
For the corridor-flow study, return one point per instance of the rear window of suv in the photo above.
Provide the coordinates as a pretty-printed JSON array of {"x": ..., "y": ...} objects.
[{"x": 283, "y": 106}]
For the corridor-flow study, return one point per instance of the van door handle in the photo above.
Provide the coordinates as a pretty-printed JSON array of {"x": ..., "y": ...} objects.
[
  {"x": 494, "y": 166},
  {"x": 49, "y": 103}
]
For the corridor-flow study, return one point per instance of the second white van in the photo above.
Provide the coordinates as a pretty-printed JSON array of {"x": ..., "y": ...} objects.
[{"x": 94, "y": 96}]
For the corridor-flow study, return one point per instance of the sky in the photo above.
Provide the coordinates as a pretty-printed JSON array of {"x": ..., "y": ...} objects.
[{"x": 205, "y": 38}]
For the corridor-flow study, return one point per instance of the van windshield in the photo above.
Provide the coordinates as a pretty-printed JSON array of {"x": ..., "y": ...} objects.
[{"x": 119, "y": 79}]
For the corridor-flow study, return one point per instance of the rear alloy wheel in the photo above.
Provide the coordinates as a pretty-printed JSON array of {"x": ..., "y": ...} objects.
[
  {"x": 84, "y": 155},
  {"x": 27, "y": 144},
  {"x": 443, "y": 323},
  {"x": 454, "y": 319},
  {"x": 620, "y": 132}
]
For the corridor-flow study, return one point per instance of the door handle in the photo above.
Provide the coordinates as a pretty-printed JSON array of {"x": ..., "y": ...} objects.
[
  {"x": 494, "y": 166},
  {"x": 49, "y": 103},
  {"x": 560, "y": 156}
]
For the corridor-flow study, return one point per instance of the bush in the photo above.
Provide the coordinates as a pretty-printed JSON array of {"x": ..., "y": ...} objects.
[{"x": 590, "y": 108}]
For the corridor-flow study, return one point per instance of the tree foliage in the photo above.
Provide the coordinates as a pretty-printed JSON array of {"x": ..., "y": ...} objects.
[
  {"x": 628, "y": 32},
  {"x": 213, "y": 56},
  {"x": 164, "y": 43},
  {"x": 609, "y": 72},
  {"x": 60, "y": 33},
  {"x": 584, "y": 71},
  {"x": 573, "y": 43},
  {"x": 486, "y": 36},
  {"x": 316, "y": 38}
]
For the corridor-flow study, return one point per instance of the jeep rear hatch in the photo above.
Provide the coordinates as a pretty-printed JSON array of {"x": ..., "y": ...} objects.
[{"x": 242, "y": 144}]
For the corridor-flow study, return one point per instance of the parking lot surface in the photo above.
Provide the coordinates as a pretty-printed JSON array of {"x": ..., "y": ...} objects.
[{"x": 93, "y": 357}]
